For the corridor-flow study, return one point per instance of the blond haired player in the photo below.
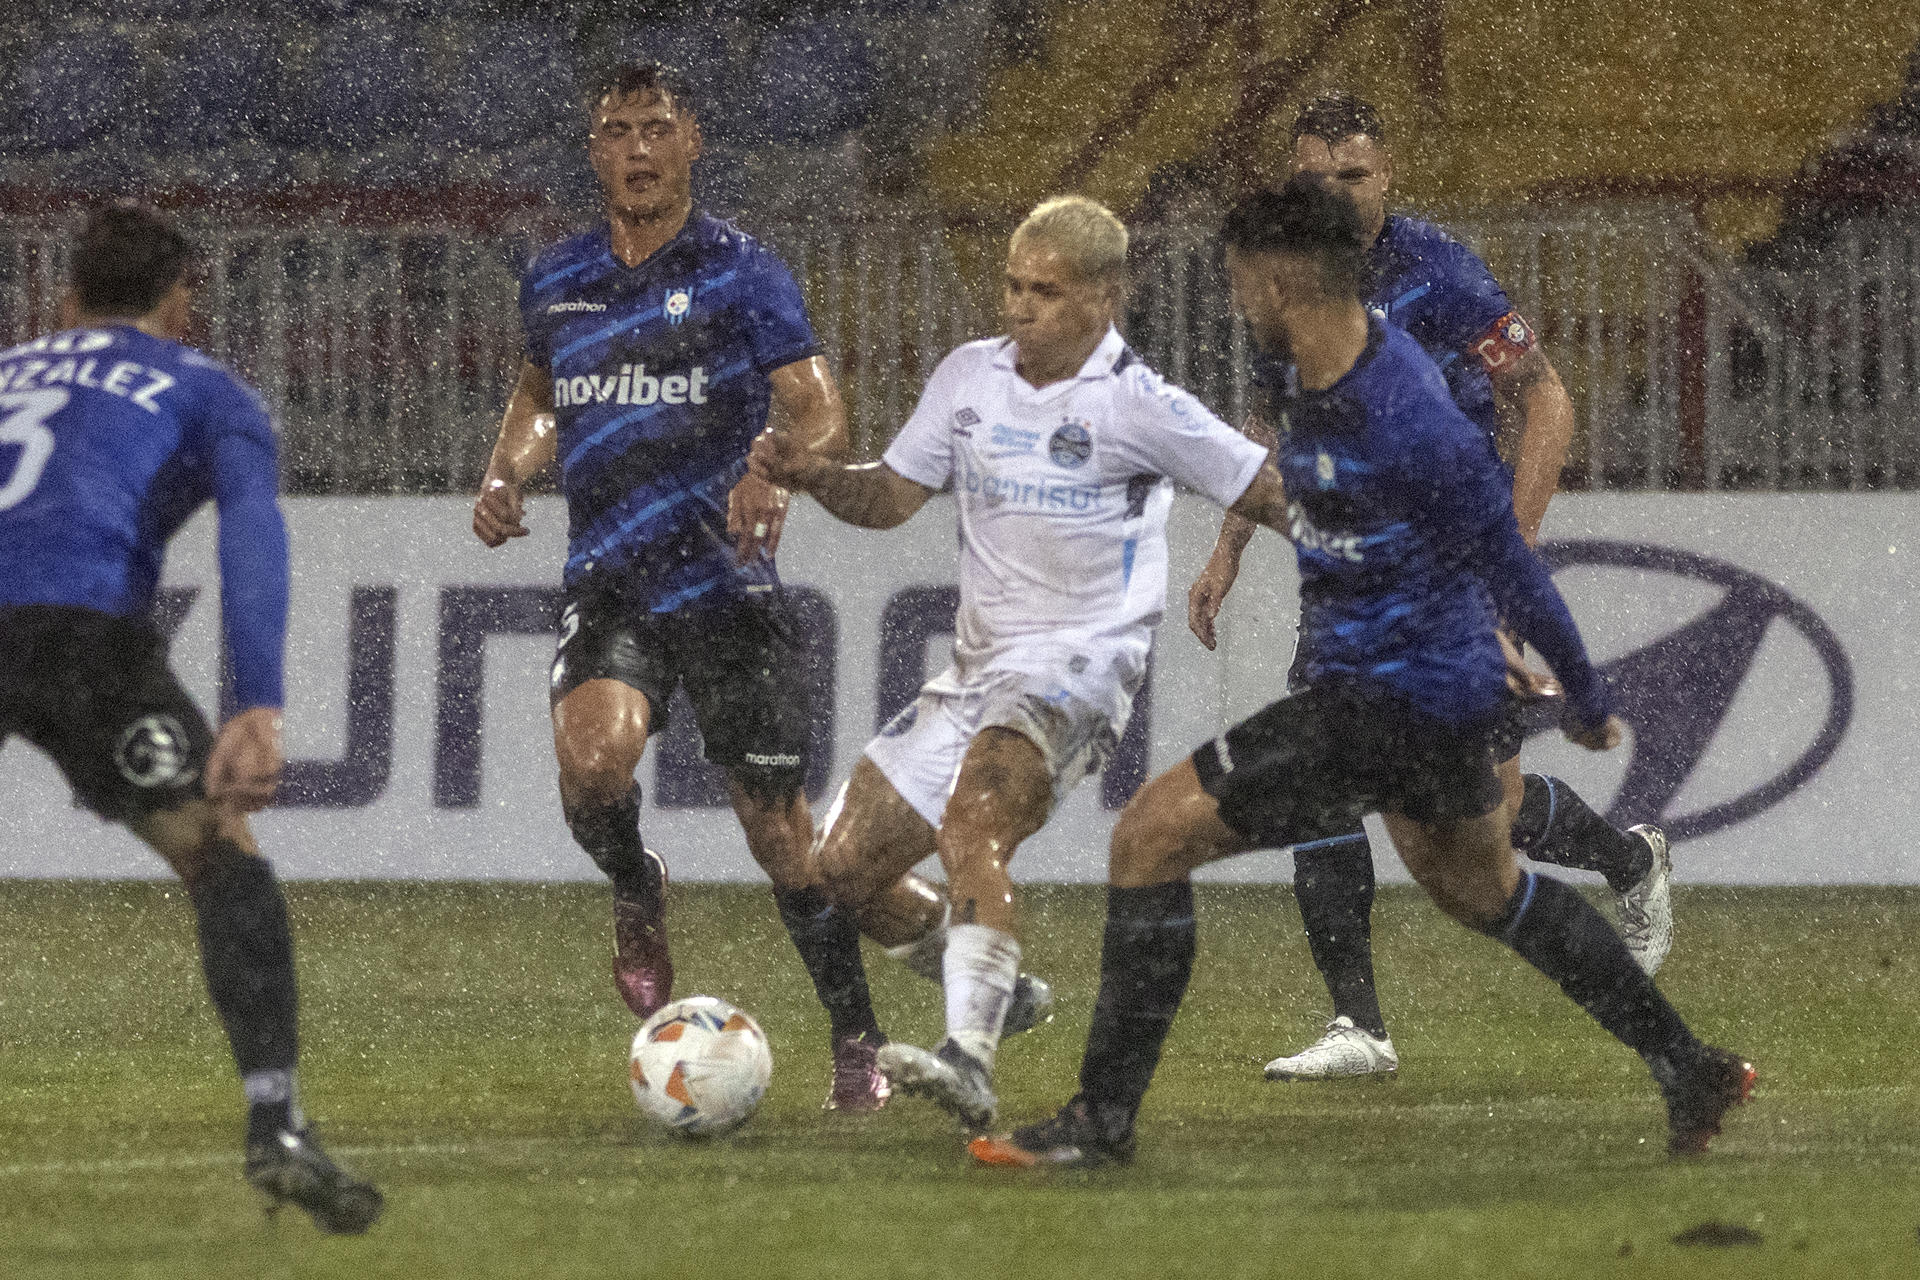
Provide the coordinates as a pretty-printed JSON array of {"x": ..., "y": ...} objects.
[{"x": 1060, "y": 447}]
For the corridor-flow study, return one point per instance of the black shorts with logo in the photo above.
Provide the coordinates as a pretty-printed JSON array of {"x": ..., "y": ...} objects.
[
  {"x": 741, "y": 664},
  {"x": 95, "y": 693},
  {"x": 1322, "y": 759}
]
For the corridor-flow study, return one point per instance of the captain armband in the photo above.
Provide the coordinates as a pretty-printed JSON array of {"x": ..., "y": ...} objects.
[{"x": 1504, "y": 342}]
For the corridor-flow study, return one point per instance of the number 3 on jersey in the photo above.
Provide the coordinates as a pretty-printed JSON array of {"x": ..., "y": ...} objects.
[{"x": 26, "y": 426}]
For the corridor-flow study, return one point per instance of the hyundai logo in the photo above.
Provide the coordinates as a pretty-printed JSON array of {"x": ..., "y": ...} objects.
[{"x": 1677, "y": 691}]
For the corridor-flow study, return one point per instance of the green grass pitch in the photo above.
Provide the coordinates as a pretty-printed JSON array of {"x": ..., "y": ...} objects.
[{"x": 464, "y": 1046}]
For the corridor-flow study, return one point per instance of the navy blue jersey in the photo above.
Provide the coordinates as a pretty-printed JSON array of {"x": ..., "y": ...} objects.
[
  {"x": 660, "y": 383},
  {"x": 1402, "y": 520},
  {"x": 1438, "y": 290},
  {"x": 109, "y": 440}
]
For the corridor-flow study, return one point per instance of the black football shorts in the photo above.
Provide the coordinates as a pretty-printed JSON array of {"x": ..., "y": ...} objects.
[
  {"x": 1509, "y": 731},
  {"x": 741, "y": 663},
  {"x": 1322, "y": 759},
  {"x": 95, "y": 693}
]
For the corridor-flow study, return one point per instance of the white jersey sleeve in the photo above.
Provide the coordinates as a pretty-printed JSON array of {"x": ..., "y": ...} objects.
[
  {"x": 1176, "y": 436},
  {"x": 923, "y": 451}
]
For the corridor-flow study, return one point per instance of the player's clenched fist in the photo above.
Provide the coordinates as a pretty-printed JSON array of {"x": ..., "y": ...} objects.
[
  {"x": 1604, "y": 736},
  {"x": 497, "y": 513},
  {"x": 245, "y": 765}
]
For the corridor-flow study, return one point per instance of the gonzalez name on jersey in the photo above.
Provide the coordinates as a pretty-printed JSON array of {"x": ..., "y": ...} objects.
[{"x": 110, "y": 439}]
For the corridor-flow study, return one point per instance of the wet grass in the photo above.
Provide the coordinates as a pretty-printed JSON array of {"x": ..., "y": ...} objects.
[{"x": 464, "y": 1045}]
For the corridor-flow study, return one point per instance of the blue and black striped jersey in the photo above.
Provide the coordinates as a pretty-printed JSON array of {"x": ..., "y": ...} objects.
[{"x": 660, "y": 383}]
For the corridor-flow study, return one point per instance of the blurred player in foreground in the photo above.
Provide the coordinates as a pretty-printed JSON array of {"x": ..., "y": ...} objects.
[
  {"x": 113, "y": 433},
  {"x": 1059, "y": 445},
  {"x": 1409, "y": 556},
  {"x": 660, "y": 340},
  {"x": 1424, "y": 281}
]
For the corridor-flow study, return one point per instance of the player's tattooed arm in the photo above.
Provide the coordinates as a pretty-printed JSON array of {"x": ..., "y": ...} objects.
[
  {"x": 1535, "y": 430},
  {"x": 525, "y": 447},
  {"x": 869, "y": 494},
  {"x": 808, "y": 409},
  {"x": 1209, "y": 590}
]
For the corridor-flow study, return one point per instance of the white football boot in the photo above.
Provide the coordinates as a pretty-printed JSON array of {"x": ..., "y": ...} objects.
[
  {"x": 949, "y": 1077},
  {"x": 1345, "y": 1050},
  {"x": 1646, "y": 908}
]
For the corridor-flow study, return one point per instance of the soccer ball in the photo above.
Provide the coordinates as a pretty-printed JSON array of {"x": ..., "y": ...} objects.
[{"x": 699, "y": 1066}]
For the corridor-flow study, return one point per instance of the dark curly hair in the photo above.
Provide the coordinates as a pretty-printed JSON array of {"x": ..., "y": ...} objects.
[{"x": 1310, "y": 216}]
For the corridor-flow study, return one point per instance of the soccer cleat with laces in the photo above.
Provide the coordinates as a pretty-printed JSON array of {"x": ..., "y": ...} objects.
[
  {"x": 1344, "y": 1051},
  {"x": 642, "y": 969},
  {"x": 1032, "y": 1005},
  {"x": 858, "y": 1083},
  {"x": 1646, "y": 908},
  {"x": 1699, "y": 1094},
  {"x": 1073, "y": 1136},
  {"x": 291, "y": 1168},
  {"x": 949, "y": 1077}
]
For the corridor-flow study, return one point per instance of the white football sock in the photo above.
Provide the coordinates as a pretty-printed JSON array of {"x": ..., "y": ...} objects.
[
  {"x": 923, "y": 954},
  {"x": 981, "y": 967}
]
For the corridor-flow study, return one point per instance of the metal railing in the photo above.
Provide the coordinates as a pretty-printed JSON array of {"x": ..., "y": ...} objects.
[{"x": 388, "y": 352}]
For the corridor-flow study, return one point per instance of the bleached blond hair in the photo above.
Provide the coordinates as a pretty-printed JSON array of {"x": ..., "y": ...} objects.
[{"x": 1086, "y": 233}]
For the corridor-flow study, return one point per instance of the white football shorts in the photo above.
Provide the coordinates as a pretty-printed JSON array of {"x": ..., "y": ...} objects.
[{"x": 1070, "y": 700}]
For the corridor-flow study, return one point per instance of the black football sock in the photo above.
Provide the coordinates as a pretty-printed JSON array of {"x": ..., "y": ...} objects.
[
  {"x": 1333, "y": 881},
  {"x": 611, "y": 836},
  {"x": 246, "y": 949},
  {"x": 1146, "y": 959},
  {"x": 1555, "y": 825},
  {"x": 828, "y": 940},
  {"x": 1559, "y": 933}
]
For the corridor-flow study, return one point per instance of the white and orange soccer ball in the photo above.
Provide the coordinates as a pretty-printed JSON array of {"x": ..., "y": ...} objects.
[{"x": 699, "y": 1066}]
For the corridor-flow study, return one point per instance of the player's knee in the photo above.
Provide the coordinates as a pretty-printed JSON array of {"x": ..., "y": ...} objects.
[
  {"x": 595, "y": 769},
  {"x": 1148, "y": 844},
  {"x": 1457, "y": 893},
  {"x": 850, "y": 878}
]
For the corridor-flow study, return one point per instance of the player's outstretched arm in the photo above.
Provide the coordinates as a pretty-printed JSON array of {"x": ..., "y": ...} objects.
[
  {"x": 244, "y": 767},
  {"x": 1209, "y": 590},
  {"x": 806, "y": 407},
  {"x": 870, "y": 494},
  {"x": 1536, "y": 431},
  {"x": 524, "y": 448}
]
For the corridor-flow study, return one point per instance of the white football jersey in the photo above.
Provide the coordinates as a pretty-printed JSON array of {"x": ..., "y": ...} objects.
[{"x": 1063, "y": 491}]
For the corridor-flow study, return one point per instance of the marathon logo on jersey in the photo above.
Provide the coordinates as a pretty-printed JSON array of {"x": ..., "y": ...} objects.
[
  {"x": 153, "y": 753},
  {"x": 558, "y": 307},
  {"x": 1305, "y": 534},
  {"x": 1071, "y": 444},
  {"x": 678, "y": 303},
  {"x": 632, "y": 385}
]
